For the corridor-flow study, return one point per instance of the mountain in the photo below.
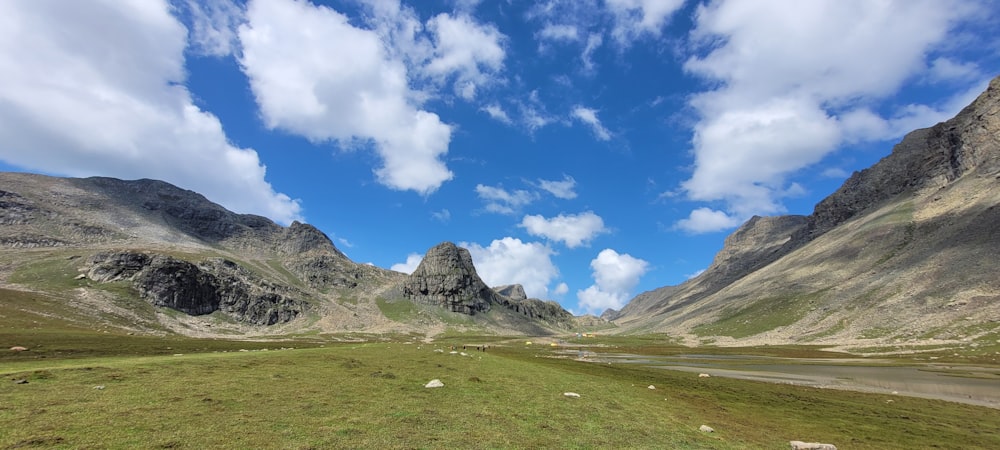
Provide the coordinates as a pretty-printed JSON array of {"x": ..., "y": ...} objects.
[
  {"x": 148, "y": 256},
  {"x": 905, "y": 251}
]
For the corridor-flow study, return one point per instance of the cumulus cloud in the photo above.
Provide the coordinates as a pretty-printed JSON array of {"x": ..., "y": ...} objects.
[
  {"x": 634, "y": 18},
  {"x": 470, "y": 51},
  {"x": 412, "y": 262},
  {"x": 560, "y": 189},
  {"x": 573, "y": 230},
  {"x": 302, "y": 85},
  {"x": 946, "y": 69},
  {"x": 97, "y": 88},
  {"x": 589, "y": 117},
  {"x": 707, "y": 220},
  {"x": 501, "y": 201},
  {"x": 561, "y": 289},
  {"x": 615, "y": 275},
  {"x": 510, "y": 261},
  {"x": 213, "y": 26},
  {"x": 792, "y": 81}
]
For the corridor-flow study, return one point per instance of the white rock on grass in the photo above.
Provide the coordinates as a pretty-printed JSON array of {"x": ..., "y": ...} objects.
[
  {"x": 651, "y": 387},
  {"x": 435, "y": 383},
  {"x": 799, "y": 445},
  {"x": 703, "y": 375},
  {"x": 706, "y": 429},
  {"x": 571, "y": 394}
]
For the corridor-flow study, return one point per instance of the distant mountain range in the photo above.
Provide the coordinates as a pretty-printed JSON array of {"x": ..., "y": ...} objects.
[
  {"x": 906, "y": 251},
  {"x": 140, "y": 249}
]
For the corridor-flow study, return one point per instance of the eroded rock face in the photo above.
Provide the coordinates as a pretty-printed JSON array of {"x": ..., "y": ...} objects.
[
  {"x": 214, "y": 285},
  {"x": 512, "y": 291},
  {"x": 929, "y": 157},
  {"x": 447, "y": 278}
]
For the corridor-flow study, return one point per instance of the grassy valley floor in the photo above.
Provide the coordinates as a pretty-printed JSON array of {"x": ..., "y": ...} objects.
[{"x": 227, "y": 394}]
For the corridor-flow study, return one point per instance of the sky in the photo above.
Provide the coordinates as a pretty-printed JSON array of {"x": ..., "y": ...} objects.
[{"x": 588, "y": 150}]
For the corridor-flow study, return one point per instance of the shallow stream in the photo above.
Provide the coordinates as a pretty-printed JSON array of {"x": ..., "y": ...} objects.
[{"x": 953, "y": 382}]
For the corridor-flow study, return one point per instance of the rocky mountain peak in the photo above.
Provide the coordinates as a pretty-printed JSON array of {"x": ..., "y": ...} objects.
[
  {"x": 512, "y": 291},
  {"x": 302, "y": 238},
  {"x": 447, "y": 278}
]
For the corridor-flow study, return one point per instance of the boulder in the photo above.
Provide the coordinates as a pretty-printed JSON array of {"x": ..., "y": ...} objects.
[
  {"x": 435, "y": 383},
  {"x": 706, "y": 429}
]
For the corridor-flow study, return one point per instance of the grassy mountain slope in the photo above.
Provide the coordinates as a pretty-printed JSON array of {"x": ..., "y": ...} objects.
[{"x": 904, "y": 253}]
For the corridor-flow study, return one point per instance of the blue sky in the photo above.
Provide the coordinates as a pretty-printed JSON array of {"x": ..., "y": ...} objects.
[{"x": 589, "y": 150}]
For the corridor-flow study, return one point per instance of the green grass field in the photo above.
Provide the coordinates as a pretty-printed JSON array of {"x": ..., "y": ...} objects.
[
  {"x": 84, "y": 387},
  {"x": 210, "y": 394}
]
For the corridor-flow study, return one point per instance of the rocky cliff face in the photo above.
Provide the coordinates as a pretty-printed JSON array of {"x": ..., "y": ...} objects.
[
  {"x": 447, "y": 278},
  {"x": 214, "y": 285},
  {"x": 512, "y": 291},
  {"x": 925, "y": 158}
]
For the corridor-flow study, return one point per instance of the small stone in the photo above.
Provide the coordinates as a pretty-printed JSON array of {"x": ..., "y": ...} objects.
[
  {"x": 435, "y": 383},
  {"x": 99, "y": 387},
  {"x": 706, "y": 429},
  {"x": 21, "y": 381},
  {"x": 704, "y": 375},
  {"x": 571, "y": 394},
  {"x": 651, "y": 387},
  {"x": 18, "y": 348},
  {"x": 799, "y": 445},
  {"x": 80, "y": 276}
]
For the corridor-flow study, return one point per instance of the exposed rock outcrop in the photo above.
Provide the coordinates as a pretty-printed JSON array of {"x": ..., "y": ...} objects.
[
  {"x": 214, "y": 285},
  {"x": 929, "y": 157},
  {"x": 447, "y": 278},
  {"x": 512, "y": 291}
]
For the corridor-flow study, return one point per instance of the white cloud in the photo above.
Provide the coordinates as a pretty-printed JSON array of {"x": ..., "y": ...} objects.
[
  {"x": 707, "y": 220},
  {"x": 470, "y": 51},
  {"x": 594, "y": 42},
  {"x": 412, "y": 262},
  {"x": 559, "y": 32},
  {"x": 560, "y": 189},
  {"x": 572, "y": 230},
  {"x": 635, "y": 18},
  {"x": 97, "y": 88},
  {"x": 213, "y": 26},
  {"x": 695, "y": 274},
  {"x": 615, "y": 275},
  {"x": 561, "y": 289},
  {"x": 510, "y": 261},
  {"x": 302, "y": 85},
  {"x": 794, "y": 81},
  {"x": 834, "y": 172},
  {"x": 501, "y": 201},
  {"x": 589, "y": 117},
  {"x": 945, "y": 69},
  {"x": 497, "y": 113},
  {"x": 441, "y": 216}
]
